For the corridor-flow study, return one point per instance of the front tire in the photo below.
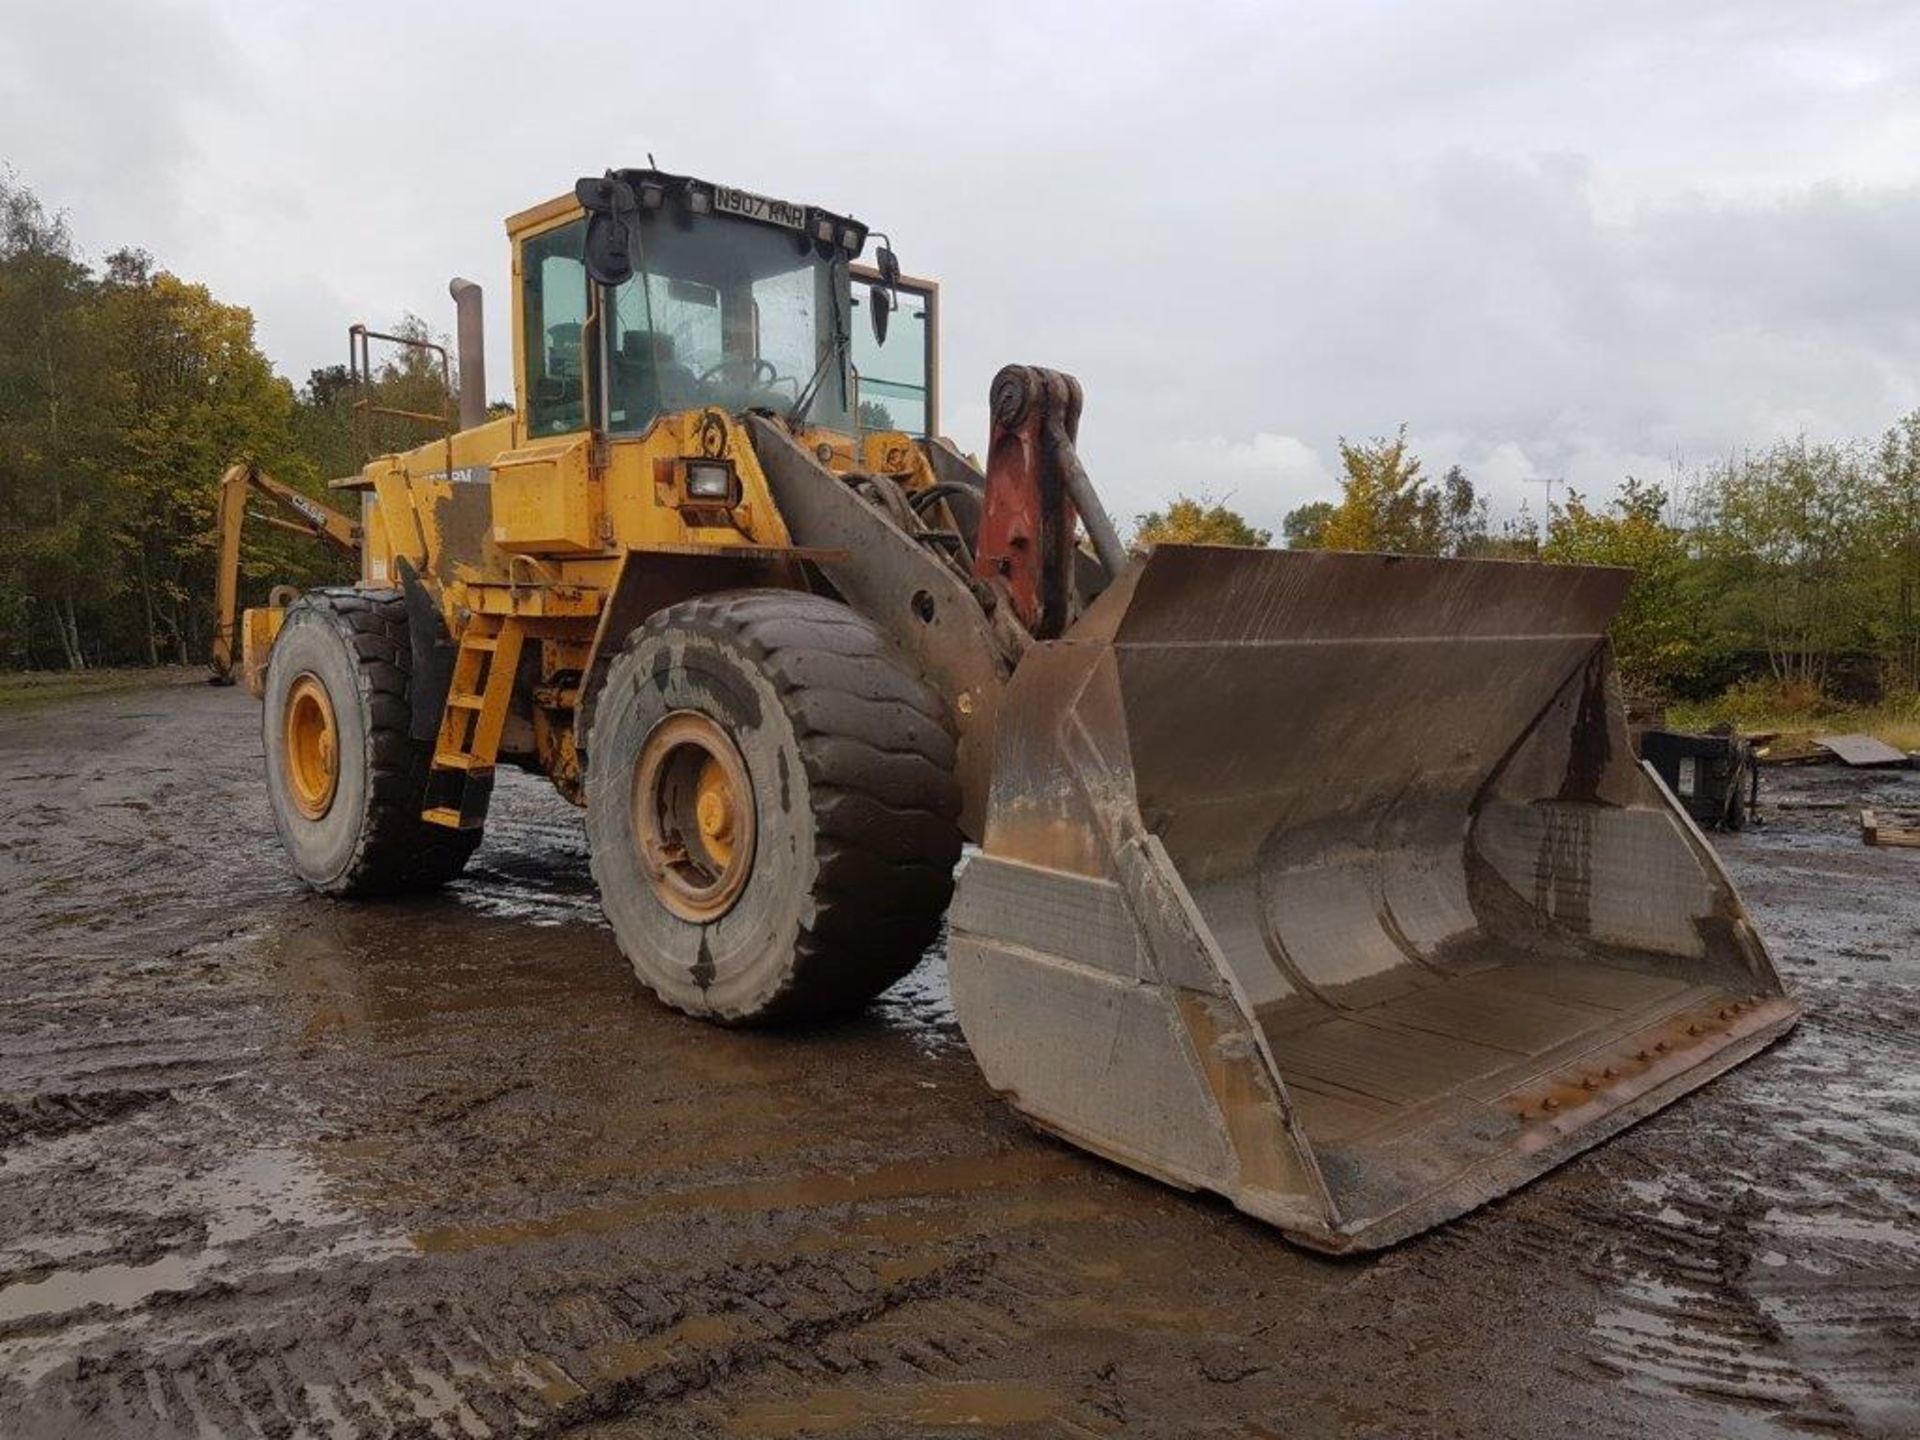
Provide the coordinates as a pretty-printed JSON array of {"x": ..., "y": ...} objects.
[
  {"x": 771, "y": 809},
  {"x": 345, "y": 776}
]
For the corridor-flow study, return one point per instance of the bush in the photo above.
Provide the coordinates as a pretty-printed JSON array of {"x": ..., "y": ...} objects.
[{"x": 1767, "y": 699}]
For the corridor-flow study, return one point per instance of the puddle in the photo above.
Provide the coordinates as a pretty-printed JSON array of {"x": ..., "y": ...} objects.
[
  {"x": 920, "y": 1007},
  {"x": 273, "y": 1189},
  {"x": 119, "y": 1287},
  {"x": 543, "y": 881}
]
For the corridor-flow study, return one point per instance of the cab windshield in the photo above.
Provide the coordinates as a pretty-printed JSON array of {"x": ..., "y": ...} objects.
[{"x": 728, "y": 313}]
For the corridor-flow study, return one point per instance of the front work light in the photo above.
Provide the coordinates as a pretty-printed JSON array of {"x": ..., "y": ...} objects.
[{"x": 710, "y": 480}]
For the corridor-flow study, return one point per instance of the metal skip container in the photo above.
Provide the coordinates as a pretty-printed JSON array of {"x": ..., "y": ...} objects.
[{"x": 1329, "y": 883}]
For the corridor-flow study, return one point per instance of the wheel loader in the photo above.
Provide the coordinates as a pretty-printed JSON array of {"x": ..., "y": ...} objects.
[{"x": 1325, "y": 882}]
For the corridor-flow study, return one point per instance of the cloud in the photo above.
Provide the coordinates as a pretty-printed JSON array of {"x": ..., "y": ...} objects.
[
  {"x": 102, "y": 108},
  {"x": 1571, "y": 241},
  {"x": 1518, "y": 329},
  {"x": 1262, "y": 477}
]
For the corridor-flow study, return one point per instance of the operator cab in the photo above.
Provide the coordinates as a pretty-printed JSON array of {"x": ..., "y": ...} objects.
[{"x": 646, "y": 294}]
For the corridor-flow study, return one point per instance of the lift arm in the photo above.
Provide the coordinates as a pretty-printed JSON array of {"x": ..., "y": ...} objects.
[{"x": 308, "y": 517}]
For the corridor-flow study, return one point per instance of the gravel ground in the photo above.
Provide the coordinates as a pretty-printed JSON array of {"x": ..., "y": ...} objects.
[{"x": 272, "y": 1165}]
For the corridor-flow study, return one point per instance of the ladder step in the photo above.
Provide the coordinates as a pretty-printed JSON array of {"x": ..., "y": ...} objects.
[
  {"x": 457, "y": 760},
  {"x": 444, "y": 815},
  {"x": 479, "y": 642},
  {"x": 460, "y": 701}
]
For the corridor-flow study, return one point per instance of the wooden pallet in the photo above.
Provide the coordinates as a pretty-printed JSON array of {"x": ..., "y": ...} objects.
[{"x": 1890, "y": 829}]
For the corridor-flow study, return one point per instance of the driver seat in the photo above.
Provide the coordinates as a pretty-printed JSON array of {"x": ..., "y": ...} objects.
[{"x": 646, "y": 379}]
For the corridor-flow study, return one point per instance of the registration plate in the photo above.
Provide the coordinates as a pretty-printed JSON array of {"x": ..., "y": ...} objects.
[{"x": 759, "y": 207}]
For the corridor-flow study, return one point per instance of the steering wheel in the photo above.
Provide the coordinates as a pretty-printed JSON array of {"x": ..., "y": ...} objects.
[{"x": 752, "y": 366}]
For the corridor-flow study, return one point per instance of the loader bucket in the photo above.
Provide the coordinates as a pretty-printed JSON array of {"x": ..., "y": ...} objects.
[{"x": 1330, "y": 883}]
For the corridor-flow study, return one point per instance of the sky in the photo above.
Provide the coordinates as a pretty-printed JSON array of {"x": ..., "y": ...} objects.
[{"x": 1564, "y": 242}]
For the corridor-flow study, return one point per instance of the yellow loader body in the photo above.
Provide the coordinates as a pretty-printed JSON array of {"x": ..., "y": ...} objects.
[{"x": 1326, "y": 882}]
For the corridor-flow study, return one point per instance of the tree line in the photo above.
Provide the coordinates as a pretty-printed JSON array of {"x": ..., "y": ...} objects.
[
  {"x": 125, "y": 391},
  {"x": 1788, "y": 565}
]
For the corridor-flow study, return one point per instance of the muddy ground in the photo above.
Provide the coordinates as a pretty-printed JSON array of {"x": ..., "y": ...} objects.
[{"x": 271, "y": 1165}]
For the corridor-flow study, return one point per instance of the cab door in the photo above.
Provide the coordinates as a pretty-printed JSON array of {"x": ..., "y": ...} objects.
[
  {"x": 547, "y": 499},
  {"x": 553, "y": 330}
]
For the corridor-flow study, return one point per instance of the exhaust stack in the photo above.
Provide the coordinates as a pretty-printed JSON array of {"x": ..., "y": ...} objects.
[{"x": 472, "y": 350}]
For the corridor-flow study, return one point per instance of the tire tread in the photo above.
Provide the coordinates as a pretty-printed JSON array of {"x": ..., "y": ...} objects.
[
  {"x": 878, "y": 751},
  {"x": 397, "y": 852}
]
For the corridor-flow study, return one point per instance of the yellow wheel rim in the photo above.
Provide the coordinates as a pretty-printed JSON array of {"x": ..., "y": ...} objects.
[
  {"x": 713, "y": 810},
  {"x": 312, "y": 747},
  {"x": 693, "y": 816}
]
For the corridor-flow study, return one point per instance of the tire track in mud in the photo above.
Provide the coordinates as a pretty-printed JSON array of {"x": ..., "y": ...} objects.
[
  {"x": 1682, "y": 1320},
  {"x": 60, "y": 1113},
  {"x": 243, "y": 1123},
  {"x": 1777, "y": 1276},
  {"x": 1703, "y": 1306},
  {"x": 683, "y": 1354}
]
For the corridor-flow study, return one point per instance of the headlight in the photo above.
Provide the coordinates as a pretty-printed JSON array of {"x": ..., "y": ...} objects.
[{"x": 710, "y": 480}]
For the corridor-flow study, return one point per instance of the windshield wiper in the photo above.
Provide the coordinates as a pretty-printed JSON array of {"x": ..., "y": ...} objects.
[{"x": 839, "y": 349}]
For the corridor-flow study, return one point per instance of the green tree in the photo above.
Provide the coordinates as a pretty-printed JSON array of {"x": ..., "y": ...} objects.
[
  {"x": 1306, "y": 527},
  {"x": 53, "y": 432},
  {"x": 1202, "y": 521},
  {"x": 1787, "y": 535},
  {"x": 1465, "y": 522},
  {"x": 321, "y": 425},
  {"x": 1653, "y": 635},
  {"x": 193, "y": 392},
  {"x": 123, "y": 396},
  {"x": 1895, "y": 522},
  {"x": 1517, "y": 538}
]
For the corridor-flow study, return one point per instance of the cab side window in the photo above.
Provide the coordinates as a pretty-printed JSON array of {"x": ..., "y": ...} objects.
[
  {"x": 554, "y": 318},
  {"x": 894, "y": 378}
]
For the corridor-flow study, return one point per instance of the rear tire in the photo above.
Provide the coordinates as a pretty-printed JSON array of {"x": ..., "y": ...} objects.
[
  {"x": 346, "y": 778},
  {"x": 833, "y": 885}
]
